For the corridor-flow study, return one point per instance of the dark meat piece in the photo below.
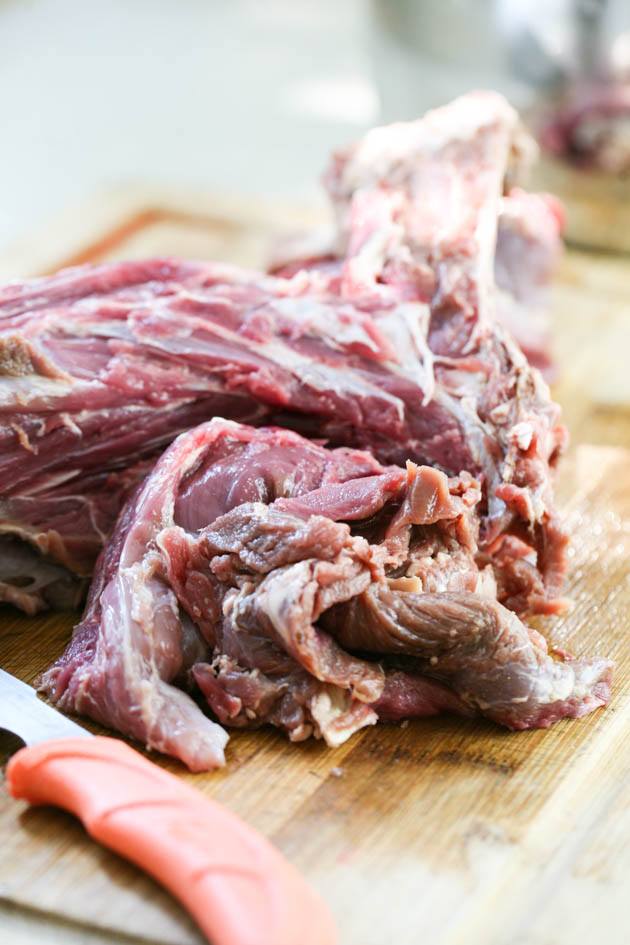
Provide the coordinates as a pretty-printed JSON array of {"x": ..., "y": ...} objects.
[
  {"x": 30, "y": 582},
  {"x": 285, "y": 583},
  {"x": 477, "y": 647}
]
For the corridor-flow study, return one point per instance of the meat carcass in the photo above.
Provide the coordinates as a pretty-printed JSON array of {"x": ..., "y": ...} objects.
[
  {"x": 398, "y": 351},
  {"x": 527, "y": 254},
  {"x": 309, "y": 588}
]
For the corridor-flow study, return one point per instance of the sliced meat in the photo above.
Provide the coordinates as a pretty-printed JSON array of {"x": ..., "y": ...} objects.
[
  {"x": 136, "y": 640},
  {"x": 309, "y": 588}
]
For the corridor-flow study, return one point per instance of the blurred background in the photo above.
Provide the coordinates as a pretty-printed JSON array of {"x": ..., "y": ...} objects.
[
  {"x": 248, "y": 97},
  {"x": 241, "y": 97}
]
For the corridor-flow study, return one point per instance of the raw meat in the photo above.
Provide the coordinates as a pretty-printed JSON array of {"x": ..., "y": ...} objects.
[
  {"x": 591, "y": 129},
  {"x": 528, "y": 251},
  {"x": 33, "y": 583},
  {"x": 528, "y": 239},
  {"x": 398, "y": 352},
  {"x": 417, "y": 206},
  {"x": 308, "y": 588}
]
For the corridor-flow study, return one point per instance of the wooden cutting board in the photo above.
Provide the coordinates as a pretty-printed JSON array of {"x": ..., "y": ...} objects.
[{"x": 441, "y": 830}]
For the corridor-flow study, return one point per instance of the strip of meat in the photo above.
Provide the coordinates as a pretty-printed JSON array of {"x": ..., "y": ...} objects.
[
  {"x": 309, "y": 588},
  {"x": 480, "y": 649}
]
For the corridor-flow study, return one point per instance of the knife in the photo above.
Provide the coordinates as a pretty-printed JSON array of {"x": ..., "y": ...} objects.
[{"x": 236, "y": 885}]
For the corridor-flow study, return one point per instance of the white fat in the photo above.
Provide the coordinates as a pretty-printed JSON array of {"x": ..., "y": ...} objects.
[
  {"x": 325, "y": 377},
  {"x": 557, "y": 686},
  {"x": 499, "y": 414},
  {"x": 522, "y": 434},
  {"x": 318, "y": 320},
  {"x": 329, "y": 705},
  {"x": 116, "y": 328},
  {"x": 370, "y": 260},
  {"x": 32, "y": 387},
  {"x": 383, "y": 148},
  {"x": 68, "y": 422},
  {"x": 410, "y": 585},
  {"x": 407, "y": 328},
  {"x": 486, "y": 585},
  {"x": 51, "y": 481}
]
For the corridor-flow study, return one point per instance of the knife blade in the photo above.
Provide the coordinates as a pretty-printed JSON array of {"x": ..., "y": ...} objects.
[
  {"x": 22, "y": 713},
  {"x": 235, "y": 884}
]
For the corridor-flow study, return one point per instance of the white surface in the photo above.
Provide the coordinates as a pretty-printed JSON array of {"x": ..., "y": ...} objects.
[{"x": 234, "y": 96}]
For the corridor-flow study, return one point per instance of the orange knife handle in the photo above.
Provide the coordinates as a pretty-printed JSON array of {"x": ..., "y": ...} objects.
[{"x": 237, "y": 886}]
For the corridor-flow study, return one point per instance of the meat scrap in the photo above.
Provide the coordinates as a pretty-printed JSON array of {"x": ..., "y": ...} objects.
[
  {"x": 589, "y": 129},
  {"x": 310, "y": 588},
  {"x": 397, "y": 349}
]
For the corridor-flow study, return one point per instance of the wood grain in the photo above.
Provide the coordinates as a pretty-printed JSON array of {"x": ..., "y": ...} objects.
[{"x": 441, "y": 830}]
